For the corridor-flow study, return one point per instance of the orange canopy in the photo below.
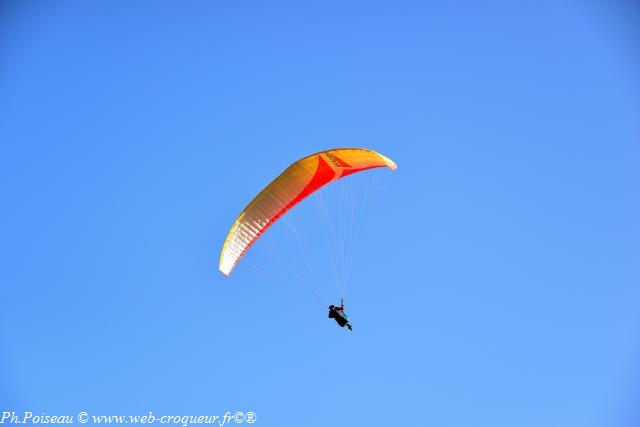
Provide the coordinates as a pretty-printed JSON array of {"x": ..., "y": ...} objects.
[{"x": 292, "y": 186}]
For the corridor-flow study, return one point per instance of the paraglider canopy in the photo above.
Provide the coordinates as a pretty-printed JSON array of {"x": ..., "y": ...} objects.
[{"x": 292, "y": 186}]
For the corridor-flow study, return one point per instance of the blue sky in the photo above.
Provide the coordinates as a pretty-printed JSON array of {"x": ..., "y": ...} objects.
[{"x": 497, "y": 283}]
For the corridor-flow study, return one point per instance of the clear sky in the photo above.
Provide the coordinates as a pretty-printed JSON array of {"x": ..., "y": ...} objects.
[{"x": 498, "y": 282}]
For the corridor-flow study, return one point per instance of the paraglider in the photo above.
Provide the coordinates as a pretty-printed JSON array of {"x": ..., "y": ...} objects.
[
  {"x": 293, "y": 185},
  {"x": 339, "y": 315}
]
